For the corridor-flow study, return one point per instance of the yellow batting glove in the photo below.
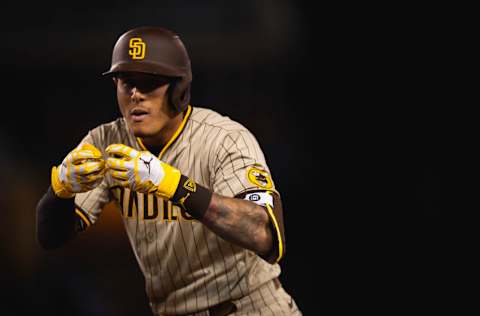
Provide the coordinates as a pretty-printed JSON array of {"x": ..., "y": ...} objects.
[
  {"x": 141, "y": 171},
  {"x": 82, "y": 170}
]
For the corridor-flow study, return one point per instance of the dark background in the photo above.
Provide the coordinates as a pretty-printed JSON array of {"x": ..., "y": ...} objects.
[
  {"x": 360, "y": 111},
  {"x": 251, "y": 60}
]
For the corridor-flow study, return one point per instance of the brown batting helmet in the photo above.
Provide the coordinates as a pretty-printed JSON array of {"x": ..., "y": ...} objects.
[{"x": 157, "y": 51}]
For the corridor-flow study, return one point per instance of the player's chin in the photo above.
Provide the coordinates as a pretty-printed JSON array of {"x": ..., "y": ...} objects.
[
  {"x": 140, "y": 132},
  {"x": 139, "y": 129}
]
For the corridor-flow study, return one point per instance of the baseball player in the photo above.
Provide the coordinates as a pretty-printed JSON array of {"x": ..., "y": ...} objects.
[{"x": 195, "y": 194}]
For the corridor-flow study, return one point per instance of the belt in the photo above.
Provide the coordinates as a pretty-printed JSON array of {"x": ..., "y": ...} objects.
[{"x": 226, "y": 308}]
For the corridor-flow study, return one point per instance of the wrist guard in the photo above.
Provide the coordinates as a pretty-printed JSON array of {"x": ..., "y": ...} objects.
[{"x": 191, "y": 197}]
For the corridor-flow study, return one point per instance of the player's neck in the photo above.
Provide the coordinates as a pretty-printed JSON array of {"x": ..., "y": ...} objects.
[{"x": 158, "y": 141}]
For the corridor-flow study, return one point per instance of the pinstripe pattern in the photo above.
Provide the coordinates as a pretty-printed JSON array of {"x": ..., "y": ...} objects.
[{"x": 188, "y": 268}]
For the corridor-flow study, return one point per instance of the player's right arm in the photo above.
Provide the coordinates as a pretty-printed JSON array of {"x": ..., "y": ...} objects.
[{"x": 82, "y": 170}]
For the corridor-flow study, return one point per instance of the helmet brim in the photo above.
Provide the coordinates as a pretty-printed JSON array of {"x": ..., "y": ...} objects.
[{"x": 145, "y": 67}]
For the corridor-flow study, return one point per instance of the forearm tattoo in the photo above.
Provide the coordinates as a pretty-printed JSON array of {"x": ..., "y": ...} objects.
[{"x": 240, "y": 222}]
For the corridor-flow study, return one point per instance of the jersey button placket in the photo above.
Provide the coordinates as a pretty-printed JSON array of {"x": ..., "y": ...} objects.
[{"x": 150, "y": 236}]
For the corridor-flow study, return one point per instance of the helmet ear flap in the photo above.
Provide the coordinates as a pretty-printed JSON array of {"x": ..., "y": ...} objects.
[
  {"x": 170, "y": 92},
  {"x": 179, "y": 94}
]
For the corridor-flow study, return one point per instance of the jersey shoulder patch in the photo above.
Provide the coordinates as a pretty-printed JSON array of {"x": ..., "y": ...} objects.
[{"x": 259, "y": 177}]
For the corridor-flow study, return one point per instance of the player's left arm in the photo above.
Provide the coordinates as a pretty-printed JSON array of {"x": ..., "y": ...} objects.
[
  {"x": 253, "y": 226},
  {"x": 257, "y": 226}
]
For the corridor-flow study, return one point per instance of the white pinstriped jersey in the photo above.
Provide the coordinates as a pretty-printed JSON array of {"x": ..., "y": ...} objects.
[{"x": 187, "y": 267}]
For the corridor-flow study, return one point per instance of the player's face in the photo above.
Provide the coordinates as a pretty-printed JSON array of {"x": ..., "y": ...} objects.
[{"x": 143, "y": 101}]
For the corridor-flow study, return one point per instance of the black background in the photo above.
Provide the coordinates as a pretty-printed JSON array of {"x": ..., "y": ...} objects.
[
  {"x": 361, "y": 111},
  {"x": 251, "y": 60}
]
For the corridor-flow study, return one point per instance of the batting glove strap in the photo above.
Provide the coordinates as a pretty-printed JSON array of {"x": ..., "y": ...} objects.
[
  {"x": 57, "y": 186},
  {"x": 169, "y": 184}
]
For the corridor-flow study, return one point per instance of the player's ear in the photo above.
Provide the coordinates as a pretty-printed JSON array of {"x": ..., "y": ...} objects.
[{"x": 115, "y": 81}]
